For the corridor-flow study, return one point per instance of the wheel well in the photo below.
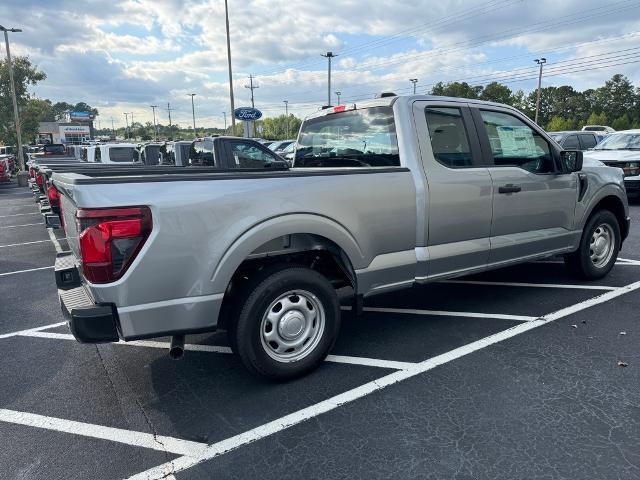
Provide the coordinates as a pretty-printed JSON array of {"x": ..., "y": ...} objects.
[
  {"x": 313, "y": 251},
  {"x": 615, "y": 206}
]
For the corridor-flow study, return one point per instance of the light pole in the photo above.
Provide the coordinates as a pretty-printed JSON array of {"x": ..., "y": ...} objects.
[
  {"x": 193, "y": 113},
  {"x": 126, "y": 119},
  {"x": 16, "y": 115},
  {"x": 170, "y": 125},
  {"x": 329, "y": 56},
  {"x": 132, "y": 132},
  {"x": 225, "y": 121},
  {"x": 113, "y": 129},
  {"x": 233, "y": 117},
  {"x": 286, "y": 114},
  {"x": 338, "y": 95},
  {"x": 414, "y": 81},
  {"x": 540, "y": 61},
  {"x": 155, "y": 126}
]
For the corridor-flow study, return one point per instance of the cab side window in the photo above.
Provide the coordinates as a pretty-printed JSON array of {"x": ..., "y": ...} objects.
[
  {"x": 98, "y": 157},
  {"x": 587, "y": 141},
  {"x": 448, "y": 135},
  {"x": 571, "y": 143},
  {"x": 248, "y": 155},
  {"x": 515, "y": 144}
]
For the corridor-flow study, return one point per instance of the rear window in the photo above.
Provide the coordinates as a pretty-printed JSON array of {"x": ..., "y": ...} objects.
[
  {"x": 357, "y": 138},
  {"x": 594, "y": 129},
  {"x": 201, "y": 153},
  {"x": 123, "y": 154},
  {"x": 55, "y": 149}
]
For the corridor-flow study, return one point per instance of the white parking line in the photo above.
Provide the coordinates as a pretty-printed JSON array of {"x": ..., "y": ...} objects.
[
  {"x": 25, "y": 271},
  {"x": 31, "y": 330},
  {"x": 54, "y": 240},
  {"x": 128, "y": 437},
  {"x": 24, "y": 243},
  {"x": 628, "y": 261},
  {"x": 533, "y": 285},
  {"x": 362, "y": 361},
  {"x": 445, "y": 313},
  {"x": 232, "y": 443},
  {"x": 19, "y": 214},
  {"x": 23, "y": 225}
]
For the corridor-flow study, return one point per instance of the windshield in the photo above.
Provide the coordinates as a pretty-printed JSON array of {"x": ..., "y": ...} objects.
[
  {"x": 55, "y": 149},
  {"x": 620, "y": 141},
  {"x": 123, "y": 154},
  {"x": 357, "y": 138},
  {"x": 556, "y": 137},
  {"x": 290, "y": 148}
]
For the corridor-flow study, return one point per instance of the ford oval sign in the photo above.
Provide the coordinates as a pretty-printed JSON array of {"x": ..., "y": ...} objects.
[{"x": 247, "y": 114}]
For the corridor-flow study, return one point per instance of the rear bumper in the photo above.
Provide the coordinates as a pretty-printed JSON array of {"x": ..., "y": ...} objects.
[{"x": 88, "y": 321}]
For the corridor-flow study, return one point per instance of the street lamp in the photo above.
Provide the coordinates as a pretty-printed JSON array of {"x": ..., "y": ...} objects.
[
  {"x": 540, "y": 61},
  {"x": 193, "y": 113},
  {"x": 414, "y": 81},
  {"x": 126, "y": 118},
  {"x": 286, "y": 114},
  {"x": 338, "y": 95},
  {"x": 16, "y": 115},
  {"x": 329, "y": 56},
  {"x": 155, "y": 126}
]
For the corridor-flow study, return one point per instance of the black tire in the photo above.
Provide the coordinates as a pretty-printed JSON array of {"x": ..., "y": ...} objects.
[
  {"x": 255, "y": 299},
  {"x": 580, "y": 261}
]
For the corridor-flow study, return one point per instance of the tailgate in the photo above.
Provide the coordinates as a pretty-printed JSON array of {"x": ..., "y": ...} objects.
[{"x": 68, "y": 209}]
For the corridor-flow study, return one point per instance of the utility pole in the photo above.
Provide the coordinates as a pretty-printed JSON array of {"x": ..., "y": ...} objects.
[
  {"x": 329, "y": 56},
  {"x": 233, "y": 117},
  {"x": 252, "y": 87},
  {"x": 113, "y": 129},
  {"x": 193, "y": 113},
  {"x": 16, "y": 115},
  {"x": 131, "y": 113},
  {"x": 540, "y": 61},
  {"x": 414, "y": 81},
  {"x": 126, "y": 118},
  {"x": 286, "y": 114},
  {"x": 155, "y": 125},
  {"x": 170, "y": 126},
  {"x": 225, "y": 121},
  {"x": 338, "y": 95}
]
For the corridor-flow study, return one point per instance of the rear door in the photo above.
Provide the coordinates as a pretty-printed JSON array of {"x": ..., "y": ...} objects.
[
  {"x": 533, "y": 202},
  {"x": 458, "y": 200}
]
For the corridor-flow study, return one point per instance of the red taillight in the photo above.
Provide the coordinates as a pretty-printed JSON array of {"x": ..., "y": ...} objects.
[
  {"x": 54, "y": 196},
  {"x": 39, "y": 180},
  {"x": 110, "y": 239},
  {"x": 1, "y": 168},
  {"x": 32, "y": 172},
  {"x": 339, "y": 108}
]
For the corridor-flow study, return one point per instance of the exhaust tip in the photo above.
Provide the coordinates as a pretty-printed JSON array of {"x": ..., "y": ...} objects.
[{"x": 176, "y": 350}]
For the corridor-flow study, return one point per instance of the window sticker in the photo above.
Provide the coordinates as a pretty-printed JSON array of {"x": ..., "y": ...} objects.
[{"x": 516, "y": 141}]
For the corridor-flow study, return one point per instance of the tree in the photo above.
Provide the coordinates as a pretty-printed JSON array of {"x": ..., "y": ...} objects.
[
  {"x": 275, "y": 128},
  {"x": 35, "y": 111},
  {"x": 456, "y": 89},
  {"x": 559, "y": 124},
  {"x": 597, "y": 119},
  {"x": 496, "y": 92},
  {"x": 621, "y": 123},
  {"x": 25, "y": 75},
  {"x": 616, "y": 98}
]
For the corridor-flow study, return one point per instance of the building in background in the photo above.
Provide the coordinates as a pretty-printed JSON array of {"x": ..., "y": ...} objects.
[{"x": 63, "y": 132}]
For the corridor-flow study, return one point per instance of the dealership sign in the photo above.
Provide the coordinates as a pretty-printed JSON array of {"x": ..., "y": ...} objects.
[
  {"x": 247, "y": 114},
  {"x": 81, "y": 116}
]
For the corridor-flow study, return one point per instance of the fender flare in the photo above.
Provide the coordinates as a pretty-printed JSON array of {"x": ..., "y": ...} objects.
[{"x": 290, "y": 224}]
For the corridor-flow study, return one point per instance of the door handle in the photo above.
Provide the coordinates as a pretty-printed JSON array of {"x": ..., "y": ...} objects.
[{"x": 509, "y": 188}]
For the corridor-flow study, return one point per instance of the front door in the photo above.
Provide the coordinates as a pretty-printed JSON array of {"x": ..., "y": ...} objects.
[
  {"x": 458, "y": 197},
  {"x": 533, "y": 200}
]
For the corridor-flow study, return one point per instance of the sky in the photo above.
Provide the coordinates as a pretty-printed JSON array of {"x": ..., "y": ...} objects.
[{"x": 123, "y": 56}]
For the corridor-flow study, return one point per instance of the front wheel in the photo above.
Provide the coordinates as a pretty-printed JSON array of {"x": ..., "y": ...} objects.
[
  {"x": 288, "y": 323},
  {"x": 599, "y": 246}
]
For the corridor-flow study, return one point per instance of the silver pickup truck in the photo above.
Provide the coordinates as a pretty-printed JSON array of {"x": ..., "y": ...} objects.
[{"x": 382, "y": 195}]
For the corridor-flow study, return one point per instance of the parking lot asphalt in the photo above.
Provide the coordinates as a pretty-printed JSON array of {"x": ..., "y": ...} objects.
[{"x": 525, "y": 372}]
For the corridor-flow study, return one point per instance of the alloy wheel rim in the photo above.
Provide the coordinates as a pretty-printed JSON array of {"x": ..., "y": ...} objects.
[{"x": 292, "y": 326}]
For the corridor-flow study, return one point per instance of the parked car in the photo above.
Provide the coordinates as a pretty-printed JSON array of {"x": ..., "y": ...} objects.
[
  {"x": 621, "y": 150},
  {"x": 5, "y": 168},
  {"x": 420, "y": 189},
  {"x": 289, "y": 153},
  {"x": 576, "y": 140},
  {"x": 598, "y": 128},
  {"x": 278, "y": 147}
]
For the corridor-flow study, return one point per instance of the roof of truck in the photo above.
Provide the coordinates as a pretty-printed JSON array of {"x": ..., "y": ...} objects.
[{"x": 390, "y": 99}]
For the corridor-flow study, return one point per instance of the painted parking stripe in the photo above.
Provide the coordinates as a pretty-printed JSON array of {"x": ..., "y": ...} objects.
[
  {"x": 23, "y": 225},
  {"x": 216, "y": 449},
  {"x": 24, "y": 243},
  {"x": 19, "y": 214},
  {"x": 54, "y": 240},
  {"x": 32, "y": 330},
  {"x": 530, "y": 285},
  {"x": 445, "y": 313},
  {"x": 128, "y": 437},
  {"x": 362, "y": 361},
  {"x": 25, "y": 271}
]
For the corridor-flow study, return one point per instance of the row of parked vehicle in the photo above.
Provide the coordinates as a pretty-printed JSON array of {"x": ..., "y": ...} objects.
[{"x": 380, "y": 196}]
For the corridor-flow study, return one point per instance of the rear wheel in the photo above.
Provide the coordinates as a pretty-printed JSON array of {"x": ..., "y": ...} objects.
[
  {"x": 289, "y": 319},
  {"x": 599, "y": 246}
]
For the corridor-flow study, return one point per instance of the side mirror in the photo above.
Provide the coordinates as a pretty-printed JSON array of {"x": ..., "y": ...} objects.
[{"x": 571, "y": 160}]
